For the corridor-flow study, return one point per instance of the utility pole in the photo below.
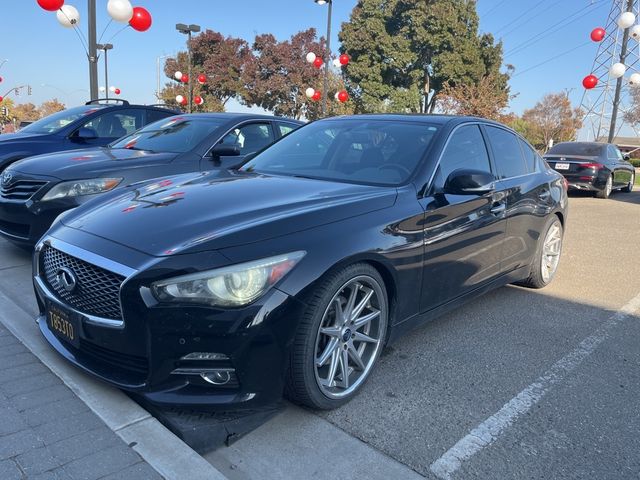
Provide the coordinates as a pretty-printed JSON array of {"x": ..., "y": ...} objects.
[
  {"x": 93, "y": 51},
  {"x": 616, "y": 97},
  {"x": 105, "y": 48}
]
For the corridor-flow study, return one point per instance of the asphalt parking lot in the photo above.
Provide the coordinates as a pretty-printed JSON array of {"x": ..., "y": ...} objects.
[{"x": 517, "y": 384}]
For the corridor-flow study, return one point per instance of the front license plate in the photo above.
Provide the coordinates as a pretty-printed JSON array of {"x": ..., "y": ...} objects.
[
  {"x": 63, "y": 324},
  {"x": 562, "y": 166}
]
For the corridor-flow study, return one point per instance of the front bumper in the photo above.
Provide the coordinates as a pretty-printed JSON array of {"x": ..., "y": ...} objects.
[
  {"x": 145, "y": 352},
  {"x": 24, "y": 223}
]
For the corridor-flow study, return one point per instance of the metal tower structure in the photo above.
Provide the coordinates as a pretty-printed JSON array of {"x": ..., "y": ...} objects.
[{"x": 605, "y": 105}]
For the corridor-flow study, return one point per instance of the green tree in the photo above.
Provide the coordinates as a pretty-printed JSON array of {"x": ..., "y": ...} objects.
[{"x": 403, "y": 53}]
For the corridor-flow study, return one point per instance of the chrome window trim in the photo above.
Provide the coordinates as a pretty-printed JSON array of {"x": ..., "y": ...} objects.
[{"x": 89, "y": 257}]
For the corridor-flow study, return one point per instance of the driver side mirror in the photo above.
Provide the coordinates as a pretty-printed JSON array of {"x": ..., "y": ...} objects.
[
  {"x": 626, "y": 157},
  {"x": 469, "y": 182},
  {"x": 225, "y": 150},
  {"x": 85, "y": 133}
]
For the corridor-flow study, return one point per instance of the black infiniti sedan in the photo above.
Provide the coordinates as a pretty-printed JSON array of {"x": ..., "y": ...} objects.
[
  {"x": 34, "y": 191},
  {"x": 593, "y": 167},
  {"x": 291, "y": 273}
]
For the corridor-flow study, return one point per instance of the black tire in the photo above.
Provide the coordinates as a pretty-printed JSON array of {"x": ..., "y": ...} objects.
[
  {"x": 536, "y": 278},
  {"x": 301, "y": 383},
  {"x": 606, "y": 191},
  {"x": 629, "y": 187}
]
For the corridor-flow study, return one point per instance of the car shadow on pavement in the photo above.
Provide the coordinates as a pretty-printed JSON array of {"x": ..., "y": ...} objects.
[{"x": 633, "y": 197}]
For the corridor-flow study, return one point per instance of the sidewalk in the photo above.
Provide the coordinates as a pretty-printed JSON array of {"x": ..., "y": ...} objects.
[{"x": 46, "y": 432}]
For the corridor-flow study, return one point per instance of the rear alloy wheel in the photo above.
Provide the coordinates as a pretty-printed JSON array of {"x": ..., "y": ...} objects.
[
  {"x": 339, "y": 339},
  {"x": 629, "y": 187},
  {"x": 604, "y": 193},
  {"x": 546, "y": 260}
]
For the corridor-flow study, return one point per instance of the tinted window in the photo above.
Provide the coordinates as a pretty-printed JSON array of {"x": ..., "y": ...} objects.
[
  {"x": 155, "y": 115},
  {"x": 577, "y": 148},
  {"x": 465, "y": 150},
  {"x": 250, "y": 138},
  {"x": 351, "y": 150},
  {"x": 59, "y": 120},
  {"x": 531, "y": 157},
  {"x": 614, "y": 153},
  {"x": 507, "y": 153},
  {"x": 116, "y": 124},
  {"x": 175, "y": 134},
  {"x": 286, "y": 128}
]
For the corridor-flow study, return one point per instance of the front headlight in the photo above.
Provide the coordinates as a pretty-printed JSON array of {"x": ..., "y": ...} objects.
[
  {"x": 232, "y": 286},
  {"x": 76, "y": 188}
]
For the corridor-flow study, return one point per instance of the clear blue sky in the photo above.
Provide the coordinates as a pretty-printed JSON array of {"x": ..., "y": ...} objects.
[{"x": 40, "y": 51}]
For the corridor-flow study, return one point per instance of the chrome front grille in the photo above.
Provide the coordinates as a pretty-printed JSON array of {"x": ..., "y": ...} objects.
[
  {"x": 97, "y": 290},
  {"x": 21, "y": 189}
]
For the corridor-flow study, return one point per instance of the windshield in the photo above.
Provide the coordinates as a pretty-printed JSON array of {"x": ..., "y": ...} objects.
[
  {"x": 174, "y": 134},
  {"x": 59, "y": 120},
  {"x": 379, "y": 152},
  {"x": 588, "y": 149}
]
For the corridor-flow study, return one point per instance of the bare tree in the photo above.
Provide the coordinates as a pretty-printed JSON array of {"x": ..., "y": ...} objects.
[{"x": 553, "y": 118}]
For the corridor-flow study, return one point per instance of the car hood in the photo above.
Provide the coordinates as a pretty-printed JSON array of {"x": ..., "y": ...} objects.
[
  {"x": 198, "y": 212},
  {"x": 88, "y": 163},
  {"x": 18, "y": 137}
]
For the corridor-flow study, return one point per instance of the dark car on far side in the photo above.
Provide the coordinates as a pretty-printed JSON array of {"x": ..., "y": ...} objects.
[
  {"x": 34, "y": 191},
  {"x": 292, "y": 272},
  {"x": 92, "y": 125},
  {"x": 593, "y": 167}
]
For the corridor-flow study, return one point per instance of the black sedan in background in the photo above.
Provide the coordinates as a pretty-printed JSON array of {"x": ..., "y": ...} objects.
[
  {"x": 95, "y": 124},
  {"x": 34, "y": 191},
  {"x": 291, "y": 273},
  {"x": 594, "y": 167}
]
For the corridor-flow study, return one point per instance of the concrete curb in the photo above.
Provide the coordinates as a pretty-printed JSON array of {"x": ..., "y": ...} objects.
[{"x": 159, "y": 447}]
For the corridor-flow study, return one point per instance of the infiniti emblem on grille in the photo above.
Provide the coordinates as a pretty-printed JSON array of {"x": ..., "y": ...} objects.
[
  {"x": 6, "y": 178},
  {"x": 67, "y": 279}
]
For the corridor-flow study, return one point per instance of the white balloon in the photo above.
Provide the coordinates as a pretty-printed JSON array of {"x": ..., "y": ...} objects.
[
  {"x": 336, "y": 96},
  {"x": 635, "y": 32},
  {"x": 112, "y": 89},
  {"x": 617, "y": 70},
  {"x": 68, "y": 16},
  {"x": 120, "y": 10},
  {"x": 634, "y": 79},
  {"x": 179, "y": 98},
  {"x": 178, "y": 75},
  {"x": 626, "y": 20},
  {"x": 309, "y": 92},
  {"x": 102, "y": 89},
  {"x": 336, "y": 63},
  {"x": 311, "y": 57}
]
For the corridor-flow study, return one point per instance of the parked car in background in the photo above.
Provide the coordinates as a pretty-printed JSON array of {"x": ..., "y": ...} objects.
[
  {"x": 34, "y": 191},
  {"x": 293, "y": 271},
  {"x": 92, "y": 125},
  {"x": 594, "y": 167}
]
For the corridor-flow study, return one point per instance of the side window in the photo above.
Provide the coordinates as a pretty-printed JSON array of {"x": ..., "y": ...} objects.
[
  {"x": 286, "y": 128},
  {"x": 507, "y": 153},
  {"x": 466, "y": 149},
  {"x": 116, "y": 124},
  {"x": 250, "y": 138},
  {"x": 531, "y": 157},
  {"x": 155, "y": 115}
]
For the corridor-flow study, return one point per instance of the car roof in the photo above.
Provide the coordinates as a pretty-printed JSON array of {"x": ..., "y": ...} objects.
[
  {"x": 438, "y": 119},
  {"x": 239, "y": 116}
]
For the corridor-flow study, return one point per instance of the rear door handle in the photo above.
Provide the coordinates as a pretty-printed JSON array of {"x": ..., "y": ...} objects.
[{"x": 499, "y": 209}]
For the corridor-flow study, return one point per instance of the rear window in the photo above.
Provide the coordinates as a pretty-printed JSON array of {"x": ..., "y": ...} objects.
[{"x": 589, "y": 149}]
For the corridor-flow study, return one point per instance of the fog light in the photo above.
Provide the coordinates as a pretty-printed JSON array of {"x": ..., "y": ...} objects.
[
  {"x": 217, "y": 377},
  {"x": 205, "y": 356}
]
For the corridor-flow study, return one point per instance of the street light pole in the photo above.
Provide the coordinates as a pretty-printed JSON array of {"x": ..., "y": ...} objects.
[
  {"x": 93, "y": 50},
  {"x": 188, "y": 30},
  {"x": 105, "y": 48},
  {"x": 327, "y": 55}
]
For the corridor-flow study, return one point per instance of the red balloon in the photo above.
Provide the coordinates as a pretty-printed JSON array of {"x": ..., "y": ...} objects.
[
  {"x": 343, "y": 96},
  {"x": 344, "y": 59},
  {"x": 198, "y": 100},
  {"x": 51, "y": 5},
  {"x": 117, "y": 91},
  {"x": 1, "y": 79},
  {"x": 589, "y": 82},
  {"x": 318, "y": 62},
  {"x": 316, "y": 96},
  {"x": 141, "y": 20},
  {"x": 184, "y": 101},
  {"x": 1, "y": 99},
  {"x": 185, "y": 79},
  {"x": 202, "y": 79},
  {"x": 597, "y": 34}
]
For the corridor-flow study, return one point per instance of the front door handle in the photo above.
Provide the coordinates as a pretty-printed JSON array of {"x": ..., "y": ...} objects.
[{"x": 499, "y": 209}]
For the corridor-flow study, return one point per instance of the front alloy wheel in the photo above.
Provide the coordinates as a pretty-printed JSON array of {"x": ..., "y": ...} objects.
[{"x": 339, "y": 338}]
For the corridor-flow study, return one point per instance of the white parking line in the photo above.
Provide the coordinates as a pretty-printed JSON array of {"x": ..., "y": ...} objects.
[{"x": 488, "y": 431}]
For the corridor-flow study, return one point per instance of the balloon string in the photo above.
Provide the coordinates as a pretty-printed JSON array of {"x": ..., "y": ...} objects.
[
  {"x": 105, "y": 31},
  {"x": 118, "y": 33},
  {"x": 75, "y": 29}
]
